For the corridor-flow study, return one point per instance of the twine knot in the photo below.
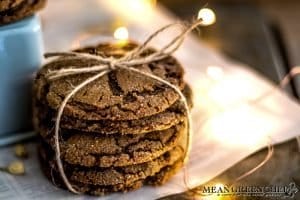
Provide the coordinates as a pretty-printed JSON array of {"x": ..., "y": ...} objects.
[{"x": 112, "y": 64}]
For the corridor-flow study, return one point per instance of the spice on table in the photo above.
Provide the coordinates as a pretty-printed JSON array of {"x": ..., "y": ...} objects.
[
  {"x": 21, "y": 151},
  {"x": 14, "y": 168}
]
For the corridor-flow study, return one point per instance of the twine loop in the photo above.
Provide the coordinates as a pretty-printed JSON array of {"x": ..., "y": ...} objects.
[{"x": 107, "y": 65}]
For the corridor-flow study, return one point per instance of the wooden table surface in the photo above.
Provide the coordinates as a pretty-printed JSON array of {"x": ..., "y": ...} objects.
[{"x": 266, "y": 37}]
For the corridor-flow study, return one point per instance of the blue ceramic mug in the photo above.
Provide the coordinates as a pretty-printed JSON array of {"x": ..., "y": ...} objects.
[{"x": 21, "y": 50}]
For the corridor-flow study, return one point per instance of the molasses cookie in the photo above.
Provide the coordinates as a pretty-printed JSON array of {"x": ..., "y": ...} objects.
[
  {"x": 119, "y": 95},
  {"x": 45, "y": 116},
  {"x": 100, "y": 181},
  {"x": 9, "y": 4},
  {"x": 11, "y": 11},
  {"x": 90, "y": 150}
]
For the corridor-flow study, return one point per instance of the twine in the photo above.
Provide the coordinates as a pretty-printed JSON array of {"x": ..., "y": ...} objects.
[{"x": 109, "y": 64}]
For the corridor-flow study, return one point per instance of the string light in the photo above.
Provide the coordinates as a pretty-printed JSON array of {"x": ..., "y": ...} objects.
[
  {"x": 207, "y": 15},
  {"x": 121, "y": 33}
]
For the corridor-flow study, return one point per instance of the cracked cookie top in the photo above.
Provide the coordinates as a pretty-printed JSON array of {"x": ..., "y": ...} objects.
[
  {"x": 90, "y": 150},
  {"x": 115, "y": 175},
  {"x": 119, "y": 95},
  {"x": 9, "y": 4},
  {"x": 45, "y": 116}
]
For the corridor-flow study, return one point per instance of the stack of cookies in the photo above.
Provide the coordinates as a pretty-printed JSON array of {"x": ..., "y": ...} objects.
[
  {"x": 14, "y": 10},
  {"x": 120, "y": 132}
]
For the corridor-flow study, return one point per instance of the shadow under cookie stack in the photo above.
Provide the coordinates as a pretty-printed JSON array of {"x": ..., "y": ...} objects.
[{"x": 120, "y": 132}]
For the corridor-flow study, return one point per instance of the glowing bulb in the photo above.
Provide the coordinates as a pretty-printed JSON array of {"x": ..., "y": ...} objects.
[
  {"x": 207, "y": 15},
  {"x": 121, "y": 33},
  {"x": 215, "y": 72}
]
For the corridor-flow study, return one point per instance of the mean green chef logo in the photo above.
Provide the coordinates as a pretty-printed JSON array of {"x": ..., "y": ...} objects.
[{"x": 282, "y": 191}]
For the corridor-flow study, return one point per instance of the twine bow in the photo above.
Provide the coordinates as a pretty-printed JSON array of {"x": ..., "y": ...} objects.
[{"x": 107, "y": 65}]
